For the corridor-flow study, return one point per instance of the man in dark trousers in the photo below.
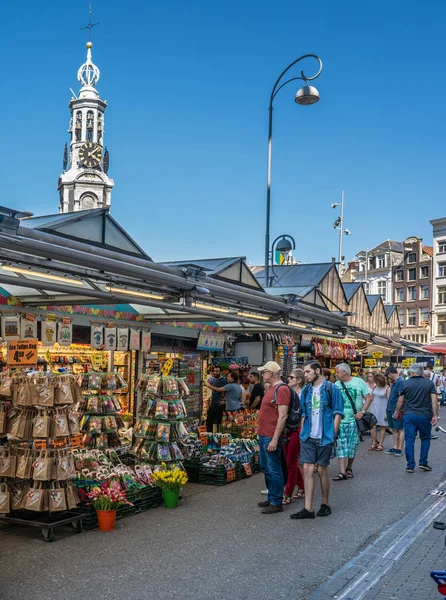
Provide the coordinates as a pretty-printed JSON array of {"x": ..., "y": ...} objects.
[
  {"x": 419, "y": 400},
  {"x": 215, "y": 410}
]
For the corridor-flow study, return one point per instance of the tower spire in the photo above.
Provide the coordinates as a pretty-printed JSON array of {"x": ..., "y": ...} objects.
[{"x": 90, "y": 24}]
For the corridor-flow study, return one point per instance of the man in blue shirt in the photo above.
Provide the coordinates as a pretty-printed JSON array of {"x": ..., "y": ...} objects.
[
  {"x": 396, "y": 425},
  {"x": 215, "y": 410}
]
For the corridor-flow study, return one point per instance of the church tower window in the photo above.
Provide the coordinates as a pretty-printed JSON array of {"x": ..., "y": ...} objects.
[
  {"x": 78, "y": 126},
  {"x": 90, "y": 126}
]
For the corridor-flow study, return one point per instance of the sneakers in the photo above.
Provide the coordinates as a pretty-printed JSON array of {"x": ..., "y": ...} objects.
[
  {"x": 303, "y": 514},
  {"x": 398, "y": 453},
  {"x": 271, "y": 509},
  {"x": 408, "y": 470},
  {"x": 264, "y": 492},
  {"x": 324, "y": 511},
  {"x": 390, "y": 451},
  {"x": 425, "y": 468},
  {"x": 263, "y": 504},
  {"x": 434, "y": 437}
]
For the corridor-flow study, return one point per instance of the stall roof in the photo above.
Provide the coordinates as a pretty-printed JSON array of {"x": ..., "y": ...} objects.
[
  {"x": 350, "y": 289},
  {"x": 232, "y": 269},
  {"x": 372, "y": 300},
  {"x": 295, "y": 275}
]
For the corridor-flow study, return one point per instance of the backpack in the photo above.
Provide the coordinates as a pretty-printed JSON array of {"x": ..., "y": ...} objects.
[{"x": 294, "y": 409}]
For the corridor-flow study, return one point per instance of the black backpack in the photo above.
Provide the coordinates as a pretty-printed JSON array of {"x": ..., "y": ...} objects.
[{"x": 294, "y": 409}]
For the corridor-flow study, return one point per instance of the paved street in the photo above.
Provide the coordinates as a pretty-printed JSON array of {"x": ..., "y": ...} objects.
[{"x": 218, "y": 545}]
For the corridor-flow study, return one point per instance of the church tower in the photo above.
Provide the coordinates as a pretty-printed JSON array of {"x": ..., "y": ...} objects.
[{"x": 85, "y": 183}]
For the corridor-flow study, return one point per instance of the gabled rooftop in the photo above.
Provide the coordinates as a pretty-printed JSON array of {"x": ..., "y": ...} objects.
[
  {"x": 232, "y": 269},
  {"x": 295, "y": 275}
]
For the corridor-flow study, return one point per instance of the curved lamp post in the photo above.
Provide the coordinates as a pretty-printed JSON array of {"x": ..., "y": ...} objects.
[
  {"x": 306, "y": 96},
  {"x": 283, "y": 244}
]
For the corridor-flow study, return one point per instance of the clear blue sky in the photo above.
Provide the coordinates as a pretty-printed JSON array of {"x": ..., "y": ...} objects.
[{"x": 187, "y": 85}]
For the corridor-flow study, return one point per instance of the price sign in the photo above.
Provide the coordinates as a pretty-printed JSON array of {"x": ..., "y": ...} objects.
[
  {"x": 224, "y": 440},
  {"x": 370, "y": 362},
  {"x": 167, "y": 367},
  {"x": 230, "y": 475},
  {"x": 248, "y": 469},
  {"x": 61, "y": 443},
  {"x": 22, "y": 353},
  {"x": 240, "y": 420},
  {"x": 377, "y": 354},
  {"x": 40, "y": 444},
  {"x": 99, "y": 360},
  {"x": 406, "y": 362},
  {"x": 76, "y": 441}
]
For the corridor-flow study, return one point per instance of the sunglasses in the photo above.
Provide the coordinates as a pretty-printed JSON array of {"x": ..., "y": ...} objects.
[{"x": 291, "y": 377}]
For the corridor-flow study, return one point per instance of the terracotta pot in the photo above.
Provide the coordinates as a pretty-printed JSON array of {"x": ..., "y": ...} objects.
[
  {"x": 170, "y": 498},
  {"x": 106, "y": 519}
]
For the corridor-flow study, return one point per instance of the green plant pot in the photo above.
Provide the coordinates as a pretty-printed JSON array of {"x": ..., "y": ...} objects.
[{"x": 170, "y": 498}]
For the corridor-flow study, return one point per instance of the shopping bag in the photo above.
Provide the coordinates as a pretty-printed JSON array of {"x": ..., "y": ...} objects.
[
  {"x": 42, "y": 468},
  {"x": 7, "y": 464},
  {"x": 41, "y": 426},
  {"x": 5, "y": 499},
  {"x": 24, "y": 465},
  {"x": 34, "y": 499},
  {"x": 72, "y": 497},
  {"x": 57, "y": 499}
]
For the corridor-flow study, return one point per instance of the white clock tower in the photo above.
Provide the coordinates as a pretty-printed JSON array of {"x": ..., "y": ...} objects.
[{"x": 85, "y": 183}]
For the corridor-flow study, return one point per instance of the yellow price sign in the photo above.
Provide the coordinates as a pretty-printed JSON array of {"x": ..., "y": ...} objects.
[
  {"x": 377, "y": 354},
  {"x": 370, "y": 362},
  {"x": 406, "y": 362},
  {"x": 167, "y": 367},
  {"x": 99, "y": 360}
]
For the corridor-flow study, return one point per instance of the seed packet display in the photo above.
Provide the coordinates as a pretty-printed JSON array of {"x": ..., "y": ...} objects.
[
  {"x": 109, "y": 425},
  {"x": 94, "y": 381},
  {"x": 170, "y": 386},
  {"x": 95, "y": 425},
  {"x": 177, "y": 410},
  {"x": 175, "y": 451},
  {"x": 163, "y": 452},
  {"x": 163, "y": 432},
  {"x": 93, "y": 404},
  {"x": 5, "y": 499},
  {"x": 162, "y": 410}
]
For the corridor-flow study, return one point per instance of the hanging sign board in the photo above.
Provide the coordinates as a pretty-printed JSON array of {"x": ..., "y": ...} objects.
[
  {"x": 370, "y": 362},
  {"x": 211, "y": 341},
  {"x": 406, "y": 362},
  {"x": 99, "y": 360},
  {"x": 22, "y": 353},
  {"x": 377, "y": 354}
]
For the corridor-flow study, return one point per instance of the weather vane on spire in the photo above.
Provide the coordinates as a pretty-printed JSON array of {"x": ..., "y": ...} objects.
[{"x": 90, "y": 24}]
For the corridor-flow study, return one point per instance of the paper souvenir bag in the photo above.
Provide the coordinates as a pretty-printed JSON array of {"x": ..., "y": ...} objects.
[
  {"x": 10, "y": 328},
  {"x": 73, "y": 423},
  {"x": 135, "y": 339},
  {"x": 63, "y": 392},
  {"x": 57, "y": 499},
  {"x": 60, "y": 425},
  {"x": 24, "y": 465},
  {"x": 72, "y": 497},
  {"x": 97, "y": 336},
  {"x": 5, "y": 499},
  {"x": 18, "y": 426},
  {"x": 29, "y": 416},
  {"x": 34, "y": 499},
  {"x": 2, "y": 421},
  {"x": 41, "y": 426},
  {"x": 5, "y": 384},
  {"x": 110, "y": 338},
  {"x": 28, "y": 329},
  {"x": 123, "y": 339},
  {"x": 42, "y": 468},
  {"x": 64, "y": 467},
  {"x": 48, "y": 333},
  {"x": 17, "y": 496},
  {"x": 7, "y": 464},
  {"x": 20, "y": 393},
  {"x": 41, "y": 392}
]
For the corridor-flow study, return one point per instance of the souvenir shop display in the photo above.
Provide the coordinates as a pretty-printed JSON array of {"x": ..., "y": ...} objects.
[
  {"x": 159, "y": 427},
  {"x": 190, "y": 369},
  {"x": 234, "y": 459},
  {"x": 36, "y": 463},
  {"x": 240, "y": 423},
  {"x": 100, "y": 406},
  {"x": 333, "y": 349}
]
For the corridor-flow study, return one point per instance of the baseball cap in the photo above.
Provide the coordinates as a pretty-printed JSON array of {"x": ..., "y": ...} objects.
[
  {"x": 390, "y": 370},
  {"x": 270, "y": 366}
]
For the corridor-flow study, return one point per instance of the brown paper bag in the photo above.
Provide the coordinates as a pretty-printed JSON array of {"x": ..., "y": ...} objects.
[
  {"x": 5, "y": 385},
  {"x": 18, "y": 426},
  {"x": 46, "y": 499},
  {"x": 72, "y": 497},
  {"x": 3, "y": 425},
  {"x": 41, "y": 426},
  {"x": 60, "y": 425},
  {"x": 65, "y": 466},
  {"x": 7, "y": 465},
  {"x": 42, "y": 468},
  {"x": 24, "y": 465},
  {"x": 22, "y": 395},
  {"x": 5, "y": 499},
  {"x": 34, "y": 499},
  {"x": 62, "y": 393},
  {"x": 76, "y": 392},
  {"x": 58, "y": 500},
  {"x": 73, "y": 424},
  {"x": 42, "y": 394},
  {"x": 17, "y": 497}
]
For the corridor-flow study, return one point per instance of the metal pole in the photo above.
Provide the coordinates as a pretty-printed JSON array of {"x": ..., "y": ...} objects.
[
  {"x": 341, "y": 230},
  {"x": 268, "y": 193}
]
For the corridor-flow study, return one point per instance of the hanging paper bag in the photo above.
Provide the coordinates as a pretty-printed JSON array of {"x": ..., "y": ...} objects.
[
  {"x": 34, "y": 499},
  {"x": 5, "y": 499},
  {"x": 5, "y": 384},
  {"x": 65, "y": 333},
  {"x": 17, "y": 496},
  {"x": 18, "y": 426},
  {"x": 97, "y": 336},
  {"x": 123, "y": 339},
  {"x": 24, "y": 465},
  {"x": 48, "y": 333},
  {"x": 62, "y": 392},
  {"x": 57, "y": 499},
  {"x": 28, "y": 328},
  {"x": 72, "y": 497},
  {"x": 21, "y": 393},
  {"x": 42, "y": 468},
  {"x": 7, "y": 465},
  {"x": 42, "y": 394},
  {"x": 76, "y": 392},
  {"x": 110, "y": 338},
  {"x": 41, "y": 426},
  {"x": 135, "y": 339},
  {"x": 73, "y": 423},
  {"x": 10, "y": 328},
  {"x": 146, "y": 341},
  {"x": 2, "y": 421},
  {"x": 60, "y": 428}
]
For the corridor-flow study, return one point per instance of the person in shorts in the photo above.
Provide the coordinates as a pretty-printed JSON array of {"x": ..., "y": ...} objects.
[
  {"x": 322, "y": 412},
  {"x": 395, "y": 425}
]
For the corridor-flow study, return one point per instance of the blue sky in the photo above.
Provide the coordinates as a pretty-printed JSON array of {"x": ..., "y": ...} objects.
[{"x": 188, "y": 84}]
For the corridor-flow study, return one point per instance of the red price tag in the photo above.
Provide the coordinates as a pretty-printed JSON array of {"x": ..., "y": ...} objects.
[
  {"x": 248, "y": 469},
  {"x": 230, "y": 475}
]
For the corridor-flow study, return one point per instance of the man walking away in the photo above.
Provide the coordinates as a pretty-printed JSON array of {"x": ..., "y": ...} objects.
[
  {"x": 322, "y": 411},
  {"x": 395, "y": 425},
  {"x": 272, "y": 418},
  {"x": 257, "y": 391},
  {"x": 419, "y": 401},
  {"x": 215, "y": 410}
]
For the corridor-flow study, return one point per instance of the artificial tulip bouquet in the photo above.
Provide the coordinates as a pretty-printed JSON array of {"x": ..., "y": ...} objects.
[{"x": 108, "y": 496}]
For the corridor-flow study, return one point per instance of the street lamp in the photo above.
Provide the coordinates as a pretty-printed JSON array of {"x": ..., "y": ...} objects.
[
  {"x": 284, "y": 244},
  {"x": 339, "y": 225},
  {"x": 306, "y": 96}
]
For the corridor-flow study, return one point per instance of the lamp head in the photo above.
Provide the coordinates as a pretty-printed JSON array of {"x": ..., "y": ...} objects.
[
  {"x": 347, "y": 231},
  {"x": 284, "y": 246},
  {"x": 307, "y": 95},
  {"x": 334, "y": 205}
]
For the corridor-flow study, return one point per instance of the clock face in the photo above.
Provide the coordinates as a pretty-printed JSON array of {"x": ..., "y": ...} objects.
[{"x": 90, "y": 154}]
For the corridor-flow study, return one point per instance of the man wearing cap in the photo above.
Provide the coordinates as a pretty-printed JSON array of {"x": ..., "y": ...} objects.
[
  {"x": 395, "y": 425},
  {"x": 272, "y": 418}
]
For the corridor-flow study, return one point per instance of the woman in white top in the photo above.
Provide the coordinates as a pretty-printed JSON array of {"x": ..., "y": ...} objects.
[
  {"x": 370, "y": 381},
  {"x": 441, "y": 381},
  {"x": 378, "y": 407}
]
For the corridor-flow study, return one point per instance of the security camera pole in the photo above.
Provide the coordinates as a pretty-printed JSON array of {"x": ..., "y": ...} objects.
[{"x": 339, "y": 225}]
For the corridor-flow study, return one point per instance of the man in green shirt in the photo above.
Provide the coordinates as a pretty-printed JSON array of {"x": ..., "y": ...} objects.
[{"x": 348, "y": 440}]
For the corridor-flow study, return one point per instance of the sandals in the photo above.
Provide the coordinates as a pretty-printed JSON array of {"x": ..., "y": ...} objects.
[
  {"x": 300, "y": 494},
  {"x": 286, "y": 500},
  {"x": 349, "y": 473},
  {"x": 379, "y": 448},
  {"x": 315, "y": 469},
  {"x": 340, "y": 477},
  {"x": 373, "y": 446}
]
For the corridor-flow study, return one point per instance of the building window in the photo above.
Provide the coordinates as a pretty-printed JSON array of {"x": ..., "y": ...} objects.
[
  {"x": 411, "y": 292},
  {"x": 399, "y": 275},
  {"x": 401, "y": 316},
  {"x": 411, "y": 274},
  {"x": 399, "y": 295},
  {"x": 411, "y": 317},
  {"x": 424, "y": 291},
  {"x": 442, "y": 247},
  {"x": 380, "y": 261},
  {"x": 441, "y": 324},
  {"x": 412, "y": 257},
  {"x": 424, "y": 315},
  {"x": 424, "y": 272},
  {"x": 441, "y": 295},
  {"x": 382, "y": 289},
  {"x": 442, "y": 269}
]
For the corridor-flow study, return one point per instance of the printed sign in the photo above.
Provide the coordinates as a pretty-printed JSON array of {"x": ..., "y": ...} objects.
[
  {"x": 377, "y": 354},
  {"x": 211, "y": 341},
  {"x": 22, "y": 353},
  {"x": 99, "y": 361},
  {"x": 370, "y": 362},
  {"x": 406, "y": 362}
]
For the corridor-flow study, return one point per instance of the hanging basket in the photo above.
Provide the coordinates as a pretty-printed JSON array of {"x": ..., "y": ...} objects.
[
  {"x": 171, "y": 498},
  {"x": 106, "y": 519}
]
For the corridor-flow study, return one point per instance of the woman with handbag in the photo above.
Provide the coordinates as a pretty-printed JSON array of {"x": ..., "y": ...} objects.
[
  {"x": 380, "y": 395},
  {"x": 354, "y": 392}
]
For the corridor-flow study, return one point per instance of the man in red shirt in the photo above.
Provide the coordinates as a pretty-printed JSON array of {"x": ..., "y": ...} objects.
[{"x": 272, "y": 418}]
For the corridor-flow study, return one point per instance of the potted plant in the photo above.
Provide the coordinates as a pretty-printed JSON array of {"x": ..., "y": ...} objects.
[
  {"x": 106, "y": 499},
  {"x": 127, "y": 418},
  {"x": 170, "y": 481}
]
